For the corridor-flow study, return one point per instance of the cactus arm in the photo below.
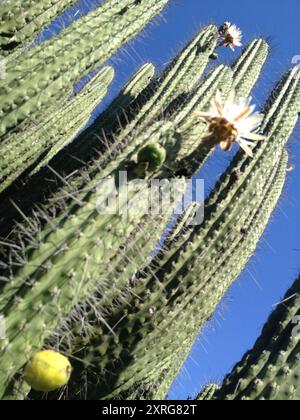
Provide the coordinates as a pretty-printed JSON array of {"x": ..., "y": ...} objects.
[
  {"x": 248, "y": 67},
  {"x": 196, "y": 311},
  {"x": 130, "y": 93},
  {"x": 23, "y": 150},
  {"x": 171, "y": 83},
  {"x": 282, "y": 124},
  {"x": 25, "y": 89},
  {"x": 71, "y": 276},
  {"x": 80, "y": 109},
  {"x": 190, "y": 129},
  {"x": 90, "y": 139},
  {"x": 175, "y": 80},
  {"x": 20, "y": 22},
  {"x": 18, "y": 390},
  {"x": 122, "y": 266},
  {"x": 270, "y": 371},
  {"x": 245, "y": 74},
  {"x": 26, "y": 329},
  {"x": 207, "y": 393}
]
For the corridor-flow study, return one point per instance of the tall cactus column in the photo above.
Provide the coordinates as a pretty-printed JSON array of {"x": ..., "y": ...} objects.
[
  {"x": 271, "y": 370},
  {"x": 39, "y": 142},
  {"x": 21, "y": 21},
  {"x": 84, "y": 276},
  {"x": 42, "y": 75},
  {"x": 187, "y": 282},
  {"x": 178, "y": 78}
]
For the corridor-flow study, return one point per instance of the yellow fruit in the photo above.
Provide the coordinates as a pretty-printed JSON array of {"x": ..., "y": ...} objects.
[{"x": 47, "y": 371}]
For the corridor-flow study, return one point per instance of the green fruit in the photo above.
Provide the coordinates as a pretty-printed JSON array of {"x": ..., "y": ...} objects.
[
  {"x": 152, "y": 157},
  {"x": 47, "y": 371}
]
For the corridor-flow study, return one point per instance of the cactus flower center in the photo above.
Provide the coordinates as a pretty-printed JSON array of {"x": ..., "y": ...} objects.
[{"x": 222, "y": 132}]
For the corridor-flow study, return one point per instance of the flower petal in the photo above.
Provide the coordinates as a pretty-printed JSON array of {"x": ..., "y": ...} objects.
[
  {"x": 255, "y": 137},
  {"x": 245, "y": 147}
]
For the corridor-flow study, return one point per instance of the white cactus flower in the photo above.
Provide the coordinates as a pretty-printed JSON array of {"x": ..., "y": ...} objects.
[
  {"x": 232, "y": 35},
  {"x": 235, "y": 122}
]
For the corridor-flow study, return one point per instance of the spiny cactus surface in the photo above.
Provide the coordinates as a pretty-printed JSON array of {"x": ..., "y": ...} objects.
[
  {"x": 22, "y": 20},
  {"x": 270, "y": 371},
  {"x": 86, "y": 278},
  {"x": 208, "y": 393}
]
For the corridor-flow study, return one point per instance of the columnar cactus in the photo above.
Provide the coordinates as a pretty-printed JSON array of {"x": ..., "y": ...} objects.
[
  {"x": 22, "y": 20},
  {"x": 270, "y": 371},
  {"x": 91, "y": 283},
  {"x": 43, "y": 74},
  {"x": 38, "y": 143},
  {"x": 208, "y": 393}
]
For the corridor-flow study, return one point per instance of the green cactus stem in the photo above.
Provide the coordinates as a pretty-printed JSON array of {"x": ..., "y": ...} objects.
[
  {"x": 208, "y": 393},
  {"x": 36, "y": 145},
  {"x": 43, "y": 74},
  {"x": 97, "y": 135},
  {"x": 68, "y": 261},
  {"x": 270, "y": 371},
  {"x": 88, "y": 267},
  {"x": 177, "y": 288},
  {"x": 21, "y": 21},
  {"x": 177, "y": 78}
]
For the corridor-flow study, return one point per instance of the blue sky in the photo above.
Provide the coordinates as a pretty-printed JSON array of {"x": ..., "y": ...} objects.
[{"x": 238, "y": 321}]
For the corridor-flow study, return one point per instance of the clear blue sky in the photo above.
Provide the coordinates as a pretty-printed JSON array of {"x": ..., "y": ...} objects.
[{"x": 238, "y": 321}]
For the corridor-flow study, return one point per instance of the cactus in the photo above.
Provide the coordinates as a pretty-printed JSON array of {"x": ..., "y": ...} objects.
[
  {"x": 208, "y": 393},
  {"x": 83, "y": 278},
  {"x": 245, "y": 73},
  {"x": 77, "y": 255},
  {"x": 174, "y": 278},
  {"x": 177, "y": 78},
  {"x": 270, "y": 371},
  {"x": 37, "y": 144},
  {"x": 46, "y": 71},
  {"x": 22, "y": 21}
]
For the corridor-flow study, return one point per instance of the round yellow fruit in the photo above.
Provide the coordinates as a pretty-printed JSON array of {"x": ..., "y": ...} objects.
[{"x": 47, "y": 371}]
